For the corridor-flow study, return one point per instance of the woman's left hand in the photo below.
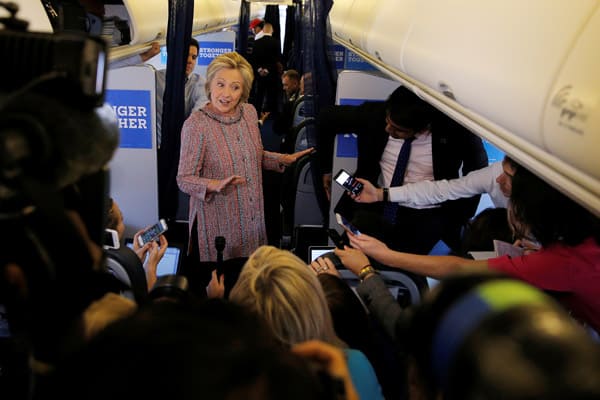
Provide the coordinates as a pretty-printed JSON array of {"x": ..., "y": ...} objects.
[
  {"x": 289, "y": 159},
  {"x": 323, "y": 265}
]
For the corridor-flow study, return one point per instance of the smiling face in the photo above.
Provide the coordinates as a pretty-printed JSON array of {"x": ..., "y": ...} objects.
[{"x": 226, "y": 90}]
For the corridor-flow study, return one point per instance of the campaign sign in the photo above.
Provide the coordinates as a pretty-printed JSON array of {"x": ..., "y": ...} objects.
[
  {"x": 133, "y": 112},
  {"x": 210, "y": 50},
  {"x": 163, "y": 55},
  {"x": 494, "y": 154},
  {"x": 356, "y": 62},
  {"x": 338, "y": 52}
]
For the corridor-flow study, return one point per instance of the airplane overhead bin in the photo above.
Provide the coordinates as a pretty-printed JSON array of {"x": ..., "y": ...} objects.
[
  {"x": 522, "y": 75},
  {"x": 148, "y": 19}
]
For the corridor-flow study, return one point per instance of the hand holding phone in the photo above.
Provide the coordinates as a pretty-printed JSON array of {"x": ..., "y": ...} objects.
[
  {"x": 153, "y": 232},
  {"x": 348, "y": 182},
  {"x": 346, "y": 224},
  {"x": 336, "y": 238}
]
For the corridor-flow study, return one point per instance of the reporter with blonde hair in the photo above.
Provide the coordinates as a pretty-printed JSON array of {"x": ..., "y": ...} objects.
[{"x": 281, "y": 288}]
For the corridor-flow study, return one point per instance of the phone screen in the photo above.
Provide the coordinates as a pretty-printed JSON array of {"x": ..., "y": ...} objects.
[
  {"x": 348, "y": 182},
  {"x": 154, "y": 232}
]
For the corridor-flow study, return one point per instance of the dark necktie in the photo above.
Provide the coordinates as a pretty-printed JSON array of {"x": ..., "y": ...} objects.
[{"x": 390, "y": 209}]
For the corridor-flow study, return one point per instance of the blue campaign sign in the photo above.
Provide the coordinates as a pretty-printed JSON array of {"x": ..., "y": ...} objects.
[
  {"x": 163, "y": 55},
  {"x": 351, "y": 102},
  {"x": 356, "y": 62},
  {"x": 133, "y": 111},
  {"x": 347, "y": 145},
  {"x": 494, "y": 154},
  {"x": 338, "y": 52},
  {"x": 209, "y": 50}
]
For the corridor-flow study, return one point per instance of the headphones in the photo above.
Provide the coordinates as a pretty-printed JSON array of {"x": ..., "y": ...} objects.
[{"x": 466, "y": 314}]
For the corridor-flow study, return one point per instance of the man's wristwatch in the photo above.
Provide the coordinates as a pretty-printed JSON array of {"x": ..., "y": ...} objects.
[{"x": 386, "y": 194}]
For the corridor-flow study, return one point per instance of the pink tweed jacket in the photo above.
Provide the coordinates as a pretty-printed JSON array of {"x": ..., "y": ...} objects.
[{"x": 215, "y": 146}]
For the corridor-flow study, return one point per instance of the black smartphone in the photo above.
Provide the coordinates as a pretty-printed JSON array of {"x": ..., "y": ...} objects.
[
  {"x": 348, "y": 182},
  {"x": 336, "y": 238}
]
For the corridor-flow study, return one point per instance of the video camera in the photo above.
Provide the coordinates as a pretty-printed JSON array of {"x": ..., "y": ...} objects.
[{"x": 56, "y": 139}]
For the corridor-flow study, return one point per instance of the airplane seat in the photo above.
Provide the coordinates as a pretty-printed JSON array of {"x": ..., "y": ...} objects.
[
  {"x": 404, "y": 287},
  {"x": 299, "y": 112},
  {"x": 296, "y": 139},
  {"x": 298, "y": 199},
  {"x": 301, "y": 134},
  {"x": 305, "y": 236},
  {"x": 126, "y": 266}
]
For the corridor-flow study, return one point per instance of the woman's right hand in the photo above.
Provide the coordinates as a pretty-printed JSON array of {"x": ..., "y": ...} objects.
[
  {"x": 217, "y": 186},
  {"x": 369, "y": 245}
]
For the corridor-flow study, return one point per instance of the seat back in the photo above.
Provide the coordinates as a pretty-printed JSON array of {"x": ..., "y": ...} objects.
[
  {"x": 306, "y": 206},
  {"x": 299, "y": 112},
  {"x": 404, "y": 289},
  {"x": 126, "y": 266}
]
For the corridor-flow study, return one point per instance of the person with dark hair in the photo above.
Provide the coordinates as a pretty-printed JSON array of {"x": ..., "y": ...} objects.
[
  {"x": 567, "y": 264},
  {"x": 481, "y": 231},
  {"x": 149, "y": 254},
  {"x": 493, "y": 180},
  {"x": 267, "y": 64},
  {"x": 195, "y": 93},
  {"x": 165, "y": 351},
  {"x": 355, "y": 327},
  {"x": 283, "y": 122},
  {"x": 485, "y": 336},
  {"x": 433, "y": 147}
]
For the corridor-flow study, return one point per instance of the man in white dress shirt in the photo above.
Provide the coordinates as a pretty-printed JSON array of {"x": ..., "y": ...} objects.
[{"x": 494, "y": 180}]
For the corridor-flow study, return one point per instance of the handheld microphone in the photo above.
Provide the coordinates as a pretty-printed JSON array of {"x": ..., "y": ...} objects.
[{"x": 220, "y": 246}]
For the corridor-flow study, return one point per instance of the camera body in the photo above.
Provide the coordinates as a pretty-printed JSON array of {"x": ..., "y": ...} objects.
[
  {"x": 77, "y": 58},
  {"x": 56, "y": 139}
]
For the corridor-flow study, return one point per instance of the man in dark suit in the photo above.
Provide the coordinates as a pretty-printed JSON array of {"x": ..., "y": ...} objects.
[
  {"x": 441, "y": 149},
  {"x": 266, "y": 62}
]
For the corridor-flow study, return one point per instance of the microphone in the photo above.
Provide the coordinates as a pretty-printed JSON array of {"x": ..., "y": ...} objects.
[{"x": 220, "y": 246}]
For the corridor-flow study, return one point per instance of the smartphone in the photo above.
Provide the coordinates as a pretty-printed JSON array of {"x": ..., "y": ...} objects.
[
  {"x": 348, "y": 182},
  {"x": 336, "y": 238},
  {"x": 345, "y": 223},
  {"x": 111, "y": 239},
  {"x": 153, "y": 232}
]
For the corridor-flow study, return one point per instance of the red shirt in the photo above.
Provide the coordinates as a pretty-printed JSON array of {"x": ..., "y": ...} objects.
[{"x": 572, "y": 271}]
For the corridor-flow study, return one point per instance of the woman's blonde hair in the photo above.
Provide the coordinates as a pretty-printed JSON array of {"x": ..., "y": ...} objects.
[
  {"x": 232, "y": 61},
  {"x": 282, "y": 289}
]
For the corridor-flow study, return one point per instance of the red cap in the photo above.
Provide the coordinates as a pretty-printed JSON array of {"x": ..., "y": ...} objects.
[{"x": 255, "y": 22}]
